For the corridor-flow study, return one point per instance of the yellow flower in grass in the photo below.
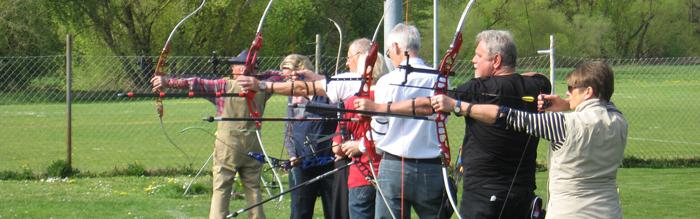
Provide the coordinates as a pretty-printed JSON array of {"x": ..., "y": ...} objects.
[
  {"x": 150, "y": 186},
  {"x": 147, "y": 189},
  {"x": 133, "y": 190},
  {"x": 71, "y": 181},
  {"x": 115, "y": 192},
  {"x": 170, "y": 180},
  {"x": 24, "y": 166},
  {"x": 123, "y": 193},
  {"x": 154, "y": 182}
]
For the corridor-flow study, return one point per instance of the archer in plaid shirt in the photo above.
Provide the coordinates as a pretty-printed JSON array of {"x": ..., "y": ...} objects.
[
  {"x": 230, "y": 151},
  {"x": 213, "y": 86}
]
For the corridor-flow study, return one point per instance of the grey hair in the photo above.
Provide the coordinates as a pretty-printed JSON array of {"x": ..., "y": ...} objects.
[
  {"x": 407, "y": 36},
  {"x": 500, "y": 42},
  {"x": 361, "y": 45}
]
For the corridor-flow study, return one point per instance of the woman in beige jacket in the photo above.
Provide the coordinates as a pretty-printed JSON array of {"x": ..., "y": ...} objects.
[{"x": 587, "y": 145}]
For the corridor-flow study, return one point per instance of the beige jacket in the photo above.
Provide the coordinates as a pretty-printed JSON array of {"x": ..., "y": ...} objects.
[{"x": 582, "y": 172}]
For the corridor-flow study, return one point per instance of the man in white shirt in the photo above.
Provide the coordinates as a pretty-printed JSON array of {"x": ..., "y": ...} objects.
[{"x": 410, "y": 172}]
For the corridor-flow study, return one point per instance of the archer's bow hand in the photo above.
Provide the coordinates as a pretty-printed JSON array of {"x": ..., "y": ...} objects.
[
  {"x": 158, "y": 82},
  {"x": 552, "y": 103},
  {"x": 443, "y": 103},
  {"x": 248, "y": 83},
  {"x": 365, "y": 104}
]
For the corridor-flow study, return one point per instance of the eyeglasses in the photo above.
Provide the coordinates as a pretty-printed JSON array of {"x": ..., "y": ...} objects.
[{"x": 352, "y": 56}]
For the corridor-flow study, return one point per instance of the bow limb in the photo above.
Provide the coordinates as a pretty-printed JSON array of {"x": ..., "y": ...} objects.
[
  {"x": 340, "y": 45},
  {"x": 164, "y": 56},
  {"x": 250, "y": 95},
  {"x": 159, "y": 72},
  {"x": 441, "y": 85}
]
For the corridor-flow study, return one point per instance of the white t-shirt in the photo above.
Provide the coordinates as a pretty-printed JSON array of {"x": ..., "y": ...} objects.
[
  {"x": 409, "y": 138},
  {"x": 342, "y": 90}
]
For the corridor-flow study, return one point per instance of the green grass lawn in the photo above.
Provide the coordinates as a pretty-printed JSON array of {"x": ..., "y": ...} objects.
[
  {"x": 645, "y": 193},
  {"x": 659, "y": 103}
]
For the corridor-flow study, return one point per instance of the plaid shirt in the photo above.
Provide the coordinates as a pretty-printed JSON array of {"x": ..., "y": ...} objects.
[{"x": 218, "y": 85}]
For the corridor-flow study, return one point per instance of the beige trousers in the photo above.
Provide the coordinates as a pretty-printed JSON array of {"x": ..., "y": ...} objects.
[{"x": 223, "y": 182}]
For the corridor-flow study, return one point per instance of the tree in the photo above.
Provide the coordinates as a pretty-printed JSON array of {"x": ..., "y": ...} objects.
[{"x": 23, "y": 33}]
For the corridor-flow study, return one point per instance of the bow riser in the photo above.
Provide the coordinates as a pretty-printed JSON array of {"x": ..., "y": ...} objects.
[
  {"x": 250, "y": 71},
  {"x": 364, "y": 93},
  {"x": 369, "y": 68},
  {"x": 440, "y": 86},
  {"x": 159, "y": 72}
]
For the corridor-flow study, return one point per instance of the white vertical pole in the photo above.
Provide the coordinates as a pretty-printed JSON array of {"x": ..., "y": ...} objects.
[
  {"x": 435, "y": 35},
  {"x": 391, "y": 19},
  {"x": 550, "y": 51}
]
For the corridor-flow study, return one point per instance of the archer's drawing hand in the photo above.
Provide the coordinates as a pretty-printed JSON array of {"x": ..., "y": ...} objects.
[
  {"x": 158, "y": 82},
  {"x": 306, "y": 76}
]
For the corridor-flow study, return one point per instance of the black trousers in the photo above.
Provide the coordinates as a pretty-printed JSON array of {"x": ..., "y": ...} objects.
[
  {"x": 487, "y": 202},
  {"x": 340, "y": 191},
  {"x": 304, "y": 199}
]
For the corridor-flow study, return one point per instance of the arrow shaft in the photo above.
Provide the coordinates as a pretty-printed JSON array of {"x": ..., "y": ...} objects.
[
  {"x": 360, "y": 112},
  {"x": 189, "y": 94},
  {"x": 211, "y": 119}
]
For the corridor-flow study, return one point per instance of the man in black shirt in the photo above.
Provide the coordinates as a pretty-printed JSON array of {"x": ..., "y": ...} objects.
[{"x": 492, "y": 155}]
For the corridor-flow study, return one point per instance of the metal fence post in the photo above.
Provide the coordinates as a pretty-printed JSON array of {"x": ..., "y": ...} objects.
[
  {"x": 69, "y": 45},
  {"x": 318, "y": 52}
]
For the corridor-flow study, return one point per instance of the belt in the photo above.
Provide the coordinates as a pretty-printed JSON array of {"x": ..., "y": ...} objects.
[{"x": 436, "y": 160}]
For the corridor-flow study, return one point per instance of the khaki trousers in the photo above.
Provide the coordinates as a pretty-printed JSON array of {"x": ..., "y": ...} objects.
[{"x": 223, "y": 182}]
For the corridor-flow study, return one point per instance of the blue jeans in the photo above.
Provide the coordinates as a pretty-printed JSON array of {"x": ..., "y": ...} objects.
[
  {"x": 361, "y": 202},
  {"x": 422, "y": 187}
]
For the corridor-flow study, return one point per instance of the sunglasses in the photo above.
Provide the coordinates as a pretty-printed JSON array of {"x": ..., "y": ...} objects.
[{"x": 572, "y": 87}]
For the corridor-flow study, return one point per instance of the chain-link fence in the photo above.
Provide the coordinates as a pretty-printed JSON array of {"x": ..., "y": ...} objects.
[{"x": 658, "y": 96}]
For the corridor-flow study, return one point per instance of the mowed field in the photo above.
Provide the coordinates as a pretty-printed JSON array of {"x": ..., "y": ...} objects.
[{"x": 644, "y": 193}]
